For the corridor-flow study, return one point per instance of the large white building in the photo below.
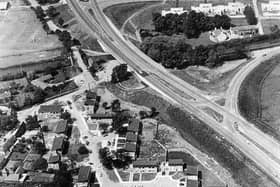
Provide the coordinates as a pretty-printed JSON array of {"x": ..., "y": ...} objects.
[
  {"x": 177, "y": 11},
  {"x": 232, "y": 9},
  {"x": 272, "y": 8},
  {"x": 4, "y": 5}
]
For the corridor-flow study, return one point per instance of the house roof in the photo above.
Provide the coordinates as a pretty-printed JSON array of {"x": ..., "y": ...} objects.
[
  {"x": 15, "y": 156},
  {"x": 131, "y": 137},
  {"x": 84, "y": 173},
  {"x": 4, "y": 5},
  {"x": 145, "y": 163},
  {"x": 175, "y": 162},
  {"x": 130, "y": 147},
  {"x": 12, "y": 178},
  {"x": 192, "y": 183},
  {"x": 61, "y": 126},
  {"x": 53, "y": 158},
  {"x": 134, "y": 125},
  {"x": 32, "y": 157},
  {"x": 57, "y": 143},
  {"x": 42, "y": 178},
  {"x": 192, "y": 170},
  {"x": 50, "y": 109},
  {"x": 102, "y": 116},
  {"x": 91, "y": 95},
  {"x": 90, "y": 102}
]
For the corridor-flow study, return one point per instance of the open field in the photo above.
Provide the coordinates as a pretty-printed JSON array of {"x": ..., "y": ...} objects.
[
  {"x": 214, "y": 80},
  {"x": 258, "y": 97},
  {"x": 119, "y": 13},
  {"x": 30, "y": 43},
  {"x": 202, "y": 137}
]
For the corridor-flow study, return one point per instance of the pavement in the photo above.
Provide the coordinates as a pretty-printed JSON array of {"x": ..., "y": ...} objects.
[{"x": 260, "y": 148}]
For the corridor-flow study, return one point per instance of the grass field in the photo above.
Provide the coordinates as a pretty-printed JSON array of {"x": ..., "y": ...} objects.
[
  {"x": 30, "y": 43},
  {"x": 119, "y": 13},
  {"x": 252, "y": 102},
  {"x": 204, "y": 138},
  {"x": 268, "y": 23}
]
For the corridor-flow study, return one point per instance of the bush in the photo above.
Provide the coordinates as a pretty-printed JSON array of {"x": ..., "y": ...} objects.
[{"x": 83, "y": 150}]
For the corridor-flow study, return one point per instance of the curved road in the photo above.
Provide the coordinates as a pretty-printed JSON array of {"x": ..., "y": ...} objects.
[{"x": 260, "y": 148}]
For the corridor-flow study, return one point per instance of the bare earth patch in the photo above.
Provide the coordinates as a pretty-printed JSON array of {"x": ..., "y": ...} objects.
[{"x": 23, "y": 39}]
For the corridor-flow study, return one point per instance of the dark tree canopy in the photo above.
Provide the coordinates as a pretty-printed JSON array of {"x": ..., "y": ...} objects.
[
  {"x": 120, "y": 73},
  {"x": 250, "y": 15}
]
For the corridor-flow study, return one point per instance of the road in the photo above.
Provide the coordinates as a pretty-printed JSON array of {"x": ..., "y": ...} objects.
[{"x": 261, "y": 149}]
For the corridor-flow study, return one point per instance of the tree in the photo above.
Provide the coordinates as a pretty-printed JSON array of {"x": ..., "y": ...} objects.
[
  {"x": 106, "y": 160},
  {"x": 250, "y": 15},
  {"x": 120, "y": 73},
  {"x": 119, "y": 119},
  {"x": 83, "y": 150},
  {"x": 32, "y": 122},
  {"x": 66, "y": 116},
  {"x": 40, "y": 164},
  {"x": 39, "y": 148},
  {"x": 60, "y": 21}
]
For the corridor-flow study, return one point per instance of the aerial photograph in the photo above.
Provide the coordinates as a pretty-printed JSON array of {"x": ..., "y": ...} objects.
[{"x": 139, "y": 93}]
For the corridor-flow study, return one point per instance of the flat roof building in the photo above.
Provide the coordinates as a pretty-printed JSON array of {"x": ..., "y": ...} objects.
[
  {"x": 178, "y": 11},
  {"x": 84, "y": 174}
]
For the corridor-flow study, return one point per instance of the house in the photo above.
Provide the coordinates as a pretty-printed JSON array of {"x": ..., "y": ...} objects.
[
  {"x": 131, "y": 137},
  {"x": 61, "y": 127},
  {"x": 135, "y": 126},
  {"x": 175, "y": 165},
  {"x": 58, "y": 144},
  {"x": 131, "y": 148},
  {"x": 178, "y": 11},
  {"x": 53, "y": 161},
  {"x": 145, "y": 166},
  {"x": 17, "y": 156},
  {"x": 192, "y": 173},
  {"x": 91, "y": 95},
  {"x": 42, "y": 178},
  {"x": 84, "y": 176},
  {"x": 4, "y": 5},
  {"x": 12, "y": 178},
  {"x": 49, "y": 112},
  {"x": 89, "y": 106},
  {"x": 29, "y": 161}
]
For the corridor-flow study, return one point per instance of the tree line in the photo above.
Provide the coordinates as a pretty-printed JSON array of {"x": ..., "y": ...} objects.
[
  {"x": 175, "y": 52},
  {"x": 192, "y": 24}
]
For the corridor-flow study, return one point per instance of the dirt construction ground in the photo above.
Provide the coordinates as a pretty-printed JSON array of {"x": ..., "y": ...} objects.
[{"x": 23, "y": 39}]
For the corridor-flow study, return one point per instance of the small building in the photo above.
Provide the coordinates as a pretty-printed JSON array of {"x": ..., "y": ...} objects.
[
  {"x": 58, "y": 144},
  {"x": 178, "y": 11},
  {"x": 61, "y": 127},
  {"x": 17, "y": 156},
  {"x": 12, "y": 178},
  {"x": 192, "y": 173},
  {"x": 42, "y": 178},
  {"x": 4, "y": 5},
  {"x": 91, "y": 95},
  {"x": 145, "y": 166},
  {"x": 49, "y": 112},
  {"x": 131, "y": 148},
  {"x": 175, "y": 165},
  {"x": 29, "y": 161},
  {"x": 131, "y": 137},
  {"x": 53, "y": 161},
  {"x": 89, "y": 106},
  {"x": 84, "y": 176}
]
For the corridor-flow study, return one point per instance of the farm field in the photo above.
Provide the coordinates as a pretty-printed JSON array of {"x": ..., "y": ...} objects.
[{"x": 30, "y": 43}]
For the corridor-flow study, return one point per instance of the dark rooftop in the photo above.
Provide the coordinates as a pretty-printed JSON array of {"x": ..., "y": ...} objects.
[
  {"x": 84, "y": 174},
  {"x": 175, "y": 162},
  {"x": 42, "y": 178},
  {"x": 91, "y": 95},
  {"x": 130, "y": 147},
  {"x": 57, "y": 143},
  {"x": 50, "y": 108},
  {"x": 145, "y": 163},
  {"x": 15, "y": 156},
  {"x": 131, "y": 137},
  {"x": 134, "y": 125}
]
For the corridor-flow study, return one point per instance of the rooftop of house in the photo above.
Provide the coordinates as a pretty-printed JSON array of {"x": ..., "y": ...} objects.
[
  {"x": 42, "y": 177},
  {"x": 90, "y": 102},
  {"x": 50, "y": 109},
  {"x": 32, "y": 157},
  {"x": 57, "y": 143},
  {"x": 84, "y": 173},
  {"x": 175, "y": 162},
  {"x": 12, "y": 178},
  {"x": 53, "y": 158},
  {"x": 61, "y": 126},
  {"x": 91, "y": 95},
  {"x": 131, "y": 137},
  {"x": 17, "y": 156},
  {"x": 130, "y": 147},
  {"x": 145, "y": 163},
  {"x": 134, "y": 125}
]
